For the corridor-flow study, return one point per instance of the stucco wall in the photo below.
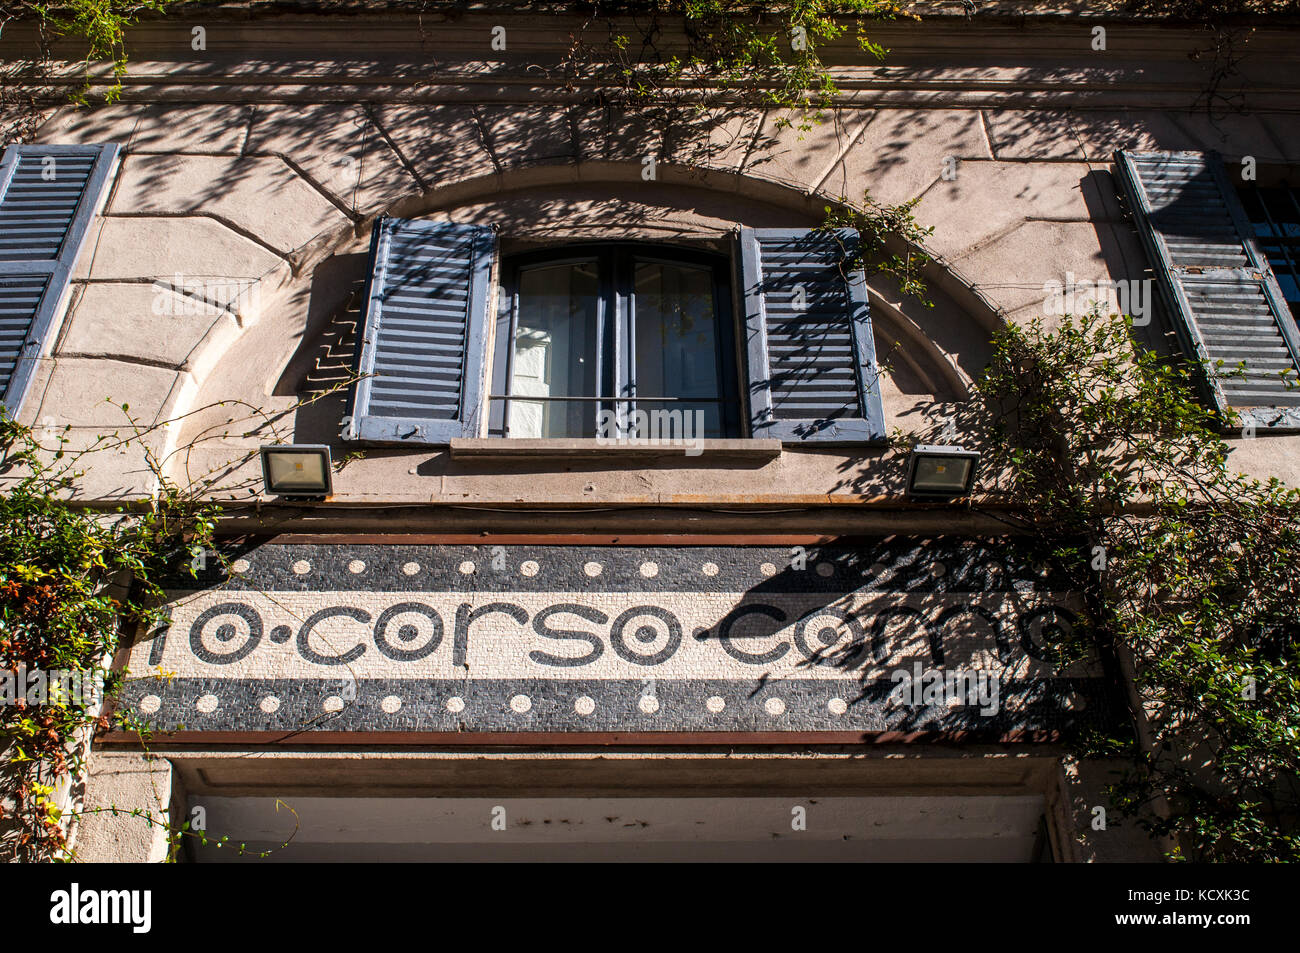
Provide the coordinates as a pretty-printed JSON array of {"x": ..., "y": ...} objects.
[{"x": 267, "y": 158}]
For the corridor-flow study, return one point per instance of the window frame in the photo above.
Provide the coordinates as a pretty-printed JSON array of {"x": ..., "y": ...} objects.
[
  {"x": 1275, "y": 234},
  {"x": 616, "y": 329}
]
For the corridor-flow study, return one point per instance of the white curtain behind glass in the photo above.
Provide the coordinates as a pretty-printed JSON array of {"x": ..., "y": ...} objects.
[{"x": 555, "y": 348}]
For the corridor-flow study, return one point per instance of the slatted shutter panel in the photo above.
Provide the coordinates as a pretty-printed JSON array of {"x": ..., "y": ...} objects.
[
  {"x": 812, "y": 374},
  {"x": 423, "y": 348},
  {"x": 1217, "y": 281},
  {"x": 20, "y": 300},
  {"x": 48, "y": 196}
]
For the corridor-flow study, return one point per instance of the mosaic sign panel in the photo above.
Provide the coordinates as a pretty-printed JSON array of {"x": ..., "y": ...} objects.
[{"x": 894, "y": 635}]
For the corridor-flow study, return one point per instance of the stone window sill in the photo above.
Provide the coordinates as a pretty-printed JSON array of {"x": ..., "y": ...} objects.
[{"x": 704, "y": 451}]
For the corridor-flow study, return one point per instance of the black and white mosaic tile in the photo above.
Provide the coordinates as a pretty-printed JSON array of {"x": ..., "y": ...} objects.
[
  {"x": 892, "y": 564},
  {"x": 894, "y": 635},
  {"x": 606, "y": 705}
]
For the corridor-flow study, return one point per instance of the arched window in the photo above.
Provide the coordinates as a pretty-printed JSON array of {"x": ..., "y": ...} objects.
[{"x": 615, "y": 340}]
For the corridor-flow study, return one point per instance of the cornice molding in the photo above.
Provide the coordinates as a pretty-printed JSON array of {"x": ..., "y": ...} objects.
[
  {"x": 276, "y": 34},
  {"x": 897, "y": 89}
]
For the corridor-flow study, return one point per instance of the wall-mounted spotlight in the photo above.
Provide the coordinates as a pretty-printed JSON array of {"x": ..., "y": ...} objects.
[
  {"x": 941, "y": 472},
  {"x": 301, "y": 469}
]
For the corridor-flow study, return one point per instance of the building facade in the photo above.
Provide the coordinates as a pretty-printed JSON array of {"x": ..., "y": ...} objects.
[{"x": 615, "y": 560}]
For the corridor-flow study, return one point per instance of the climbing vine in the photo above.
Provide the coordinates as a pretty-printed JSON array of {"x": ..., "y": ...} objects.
[
  {"x": 708, "y": 54},
  {"x": 76, "y": 584},
  {"x": 72, "y": 581},
  {"x": 1190, "y": 574},
  {"x": 880, "y": 227},
  {"x": 100, "y": 24}
]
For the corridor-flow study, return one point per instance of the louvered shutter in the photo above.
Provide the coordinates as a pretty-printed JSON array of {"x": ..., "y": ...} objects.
[
  {"x": 423, "y": 347},
  {"x": 812, "y": 374},
  {"x": 48, "y": 196},
  {"x": 1216, "y": 281}
]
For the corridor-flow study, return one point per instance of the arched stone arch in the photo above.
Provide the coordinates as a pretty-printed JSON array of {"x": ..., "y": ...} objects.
[{"x": 305, "y": 318}]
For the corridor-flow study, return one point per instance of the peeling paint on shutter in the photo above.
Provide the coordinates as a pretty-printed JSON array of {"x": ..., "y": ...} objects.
[
  {"x": 812, "y": 374},
  {"x": 423, "y": 347},
  {"x": 48, "y": 196},
  {"x": 1217, "y": 281}
]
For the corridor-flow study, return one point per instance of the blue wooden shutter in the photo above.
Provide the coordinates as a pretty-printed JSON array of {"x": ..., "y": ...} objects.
[
  {"x": 812, "y": 374},
  {"x": 48, "y": 196},
  {"x": 1216, "y": 282},
  {"x": 423, "y": 347}
]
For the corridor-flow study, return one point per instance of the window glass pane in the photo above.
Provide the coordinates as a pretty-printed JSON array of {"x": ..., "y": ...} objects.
[
  {"x": 676, "y": 345},
  {"x": 1282, "y": 210},
  {"x": 1255, "y": 212},
  {"x": 1287, "y": 282},
  {"x": 555, "y": 352},
  {"x": 1275, "y": 215}
]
